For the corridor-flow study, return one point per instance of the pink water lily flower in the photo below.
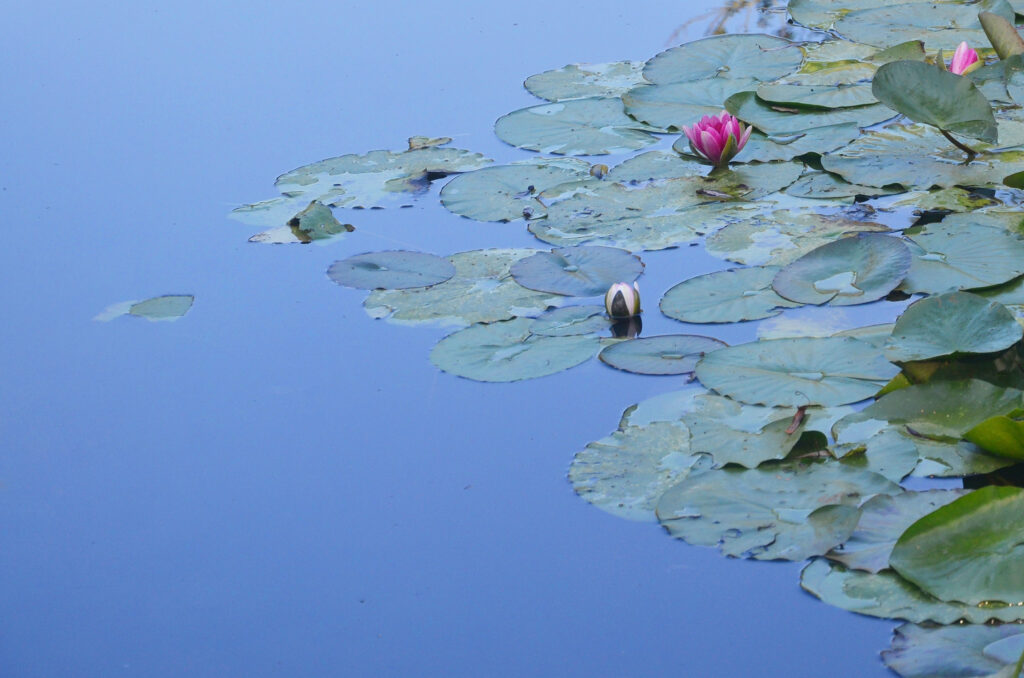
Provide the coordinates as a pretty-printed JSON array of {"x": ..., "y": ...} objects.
[
  {"x": 717, "y": 138},
  {"x": 965, "y": 60}
]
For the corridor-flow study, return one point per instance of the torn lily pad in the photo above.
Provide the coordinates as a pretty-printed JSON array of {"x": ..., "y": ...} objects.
[
  {"x": 315, "y": 222},
  {"x": 733, "y": 295},
  {"x": 582, "y": 271},
  {"x": 582, "y": 81},
  {"x": 665, "y": 354},
  {"x": 391, "y": 270},
  {"x": 828, "y": 186}
]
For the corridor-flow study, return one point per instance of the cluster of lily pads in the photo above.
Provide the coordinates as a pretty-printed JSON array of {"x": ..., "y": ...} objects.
[{"x": 872, "y": 173}]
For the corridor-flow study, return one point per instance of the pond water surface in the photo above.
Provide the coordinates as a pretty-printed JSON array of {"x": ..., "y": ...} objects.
[{"x": 275, "y": 484}]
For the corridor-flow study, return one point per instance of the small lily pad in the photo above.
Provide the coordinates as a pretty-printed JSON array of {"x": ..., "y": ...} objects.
[
  {"x": 762, "y": 57},
  {"x": 391, "y": 270},
  {"x": 581, "y": 81},
  {"x": 728, "y": 296},
  {"x": 583, "y": 271},
  {"x": 666, "y": 354}
]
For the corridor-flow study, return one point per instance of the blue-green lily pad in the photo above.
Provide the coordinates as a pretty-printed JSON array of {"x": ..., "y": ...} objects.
[
  {"x": 778, "y": 120},
  {"x": 962, "y": 252},
  {"x": 314, "y": 223},
  {"x": 583, "y": 271},
  {"x": 986, "y": 650},
  {"x": 666, "y": 354},
  {"x": 571, "y": 320},
  {"x": 763, "y": 148},
  {"x": 581, "y": 81},
  {"x": 729, "y": 296},
  {"x": 676, "y": 104},
  {"x": 391, "y": 270},
  {"x": 940, "y": 25},
  {"x": 762, "y": 57}
]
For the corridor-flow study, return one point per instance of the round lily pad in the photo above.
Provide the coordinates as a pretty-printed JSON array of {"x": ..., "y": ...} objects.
[
  {"x": 969, "y": 551},
  {"x": 580, "y": 81},
  {"x": 761, "y": 57},
  {"x": 733, "y": 295},
  {"x": 794, "y": 372},
  {"x": 583, "y": 271},
  {"x": 962, "y": 252},
  {"x": 957, "y": 650},
  {"x": 508, "y": 351},
  {"x": 847, "y": 271},
  {"x": 571, "y": 320},
  {"x": 391, "y": 270},
  {"x": 595, "y": 126},
  {"x": 666, "y": 354},
  {"x": 958, "y": 322}
]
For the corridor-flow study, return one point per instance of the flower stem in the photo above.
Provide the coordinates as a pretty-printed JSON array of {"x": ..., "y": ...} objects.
[{"x": 963, "y": 147}]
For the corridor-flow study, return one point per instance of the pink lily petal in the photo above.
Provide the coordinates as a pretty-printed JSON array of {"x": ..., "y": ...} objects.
[
  {"x": 963, "y": 57},
  {"x": 712, "y": 147}
]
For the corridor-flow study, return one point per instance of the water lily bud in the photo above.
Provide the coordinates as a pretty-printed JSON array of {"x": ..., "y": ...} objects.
[
  {"x": 964, "y": 60},
  {"x": 717, "y": 138},
  {"x": 622, "y": 301}
]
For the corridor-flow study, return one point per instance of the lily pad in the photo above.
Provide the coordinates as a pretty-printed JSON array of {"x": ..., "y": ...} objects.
[
  {"x": 165, "y": 308},
  {"x": 888, "y": 595},
  {"x": 582, "y": 81},
  {"x": 482, "y": 290},
  {"x": 728, "y": 296},
  {"x": 827, "y": 186},
  {"x": 1002, "y": 435},
  {"x": 779, "y": 120},
  {"x": 962, "y": 253},
  {"x": 761, "y": 57},
  {"x": 727, "y": 445},
  {"x": 777, "y": 513},
  {"x": 583, "y": 271},
  {"x": 571, "y": 320},
  {"x": 883, "y": 519},
  {"x": 940, "y": 25},
  {"x": 315, "y": 222},
  {"x": 666, "y": 354},
  {"x": 670, "y": 106},
  {"x": 508, "y": 351},
  {"x": 888, "y": 453},
  {"x": 625, "y": 473},
  {"x": 847, "y": 271},
  {"x": 957, "y": 650},
  {"x": 794, "y": 372},
  {"x": 834, "y": 86},
  {"x": 506, "y": 192},
  {"x": 746, "y": 181},
  {"x": 595, "y": 126},
  {"x": 391, "y": 270},
  {"x": 953, "y": 459},
  {"x": 763, "y": 148},
  {"x": 652, "y": 165},
  {"x": 969, "y": 551},
  {"x": 954, "y": 323}
]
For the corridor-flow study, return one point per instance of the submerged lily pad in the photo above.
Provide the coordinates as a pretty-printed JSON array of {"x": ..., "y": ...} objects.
[
  {"x": 728, "y": 296},
  {"x": 507, "y": 192},
  {"x": 957, "y": 650},
  {"x": 570, "y": 320},
  {"x": 844, "y": 272},
  {"x": 583, "y": 271},
  {"x": 886, "y": 594},
  {"x": 949, "y": 324},
  {"x": 794, "y": 372},
  {"x": 482, "y": 290},
  {"x": 625, "y": 473},
  {"x": 782, "y": 512},
  {"x": 666, "y": 354},
  {"x": 969, "y": 551},
  {"x": 773, "y": 119},
  {"x": 581, "y": 81},
  {"x": 391, "y": 270},
  {"x": 595, "y": 126},
  {"x": 508, "y": 351},
  {"x": 962, "y": 253},
  {"x": 762, "y": 57}
]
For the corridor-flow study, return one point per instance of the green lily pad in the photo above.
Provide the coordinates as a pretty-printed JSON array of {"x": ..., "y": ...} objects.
[
  {"x": 583, "y": 271},
  {"x": 652, "y": 165},
  {"x": 940, "y": 25},
  {"x": 888, "y": 453},
  {"x": 571, "y": 320},
  {"x": 827, "y": 186},
  {"x": 778, "y": 120},
  {"x": 944, "y": 200},
  {"x": 665, "y": 354},
  {"x": 953, "y": 459},
  {"x": 763, "y": 148},
  {"x": 727, "y": 445},
  {"x": 582, "y": 81},
  {"x": 954, "y": 323},
  {"x": 883, "y": 518},
  {"x": 625, "y": 473},
  {"x": 508, "y": 351},
  {"x": 957, "y": 650},
  {"x": 762, "y": 57},
  {"x": 936, "y": 97},
  {"x": 167, "y": 307},
  {"x": 728, "y": 296},
  {"x": 670, "y": 106},
  {"x": 962, "y": 252},
  {"x": 595, "y": 126},
  {"x": 794, "y": 372},
  {"x": 391, "y": 270},
  {"x": 839, "y": 95},
  {"x": 1002, "y": 435},
  {"x": 782, "y": 512},
  {"x": 507, "y": 192},
  {"x": 847, "y": 271},
  {"x": 746, "y": 181},
  {"x": 969, "y": 551},
  {"x": 315, "y": 222},
  {"x": 888, "y": 595},
  {"x": 482, "y": 290}
]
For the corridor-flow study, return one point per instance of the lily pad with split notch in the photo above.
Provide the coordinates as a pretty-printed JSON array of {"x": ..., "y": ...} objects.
[
  {"x": 391, "y": 270},
  {"x": 733, "y": 295},
  {"x": 583, "y": 271},
  {"x": 666, "y": 354},
  {"x": 581, "y": 81}
]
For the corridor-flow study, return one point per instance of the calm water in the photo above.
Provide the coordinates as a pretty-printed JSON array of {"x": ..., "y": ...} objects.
[{"x": 277, "y": 485}]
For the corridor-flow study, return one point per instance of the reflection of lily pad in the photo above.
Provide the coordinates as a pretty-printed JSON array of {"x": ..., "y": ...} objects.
[
  {"x": 762, "y": 57},
  {"x": 666, "y": 354},
  {"x": 778, "y": 512},
  {"x": 794, "y": 372},
  {"x": 725, "y": 296},
  {"x": 768, "y": 117},
  {"x": 508, "y": 351},
  {"x": 583, "y": 271},
  {"x": 391, "y": 270},
  {"x": 581, "y": 81},
  {"x": 578, "y": 127},
  {"x": 957, "y": 650}
]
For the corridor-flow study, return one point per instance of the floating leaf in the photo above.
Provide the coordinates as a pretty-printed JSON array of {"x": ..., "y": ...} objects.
[
  {"x": 844, "y": 272},
  {"x": 676, "y": 104},
  {"x": 944, "y": 200},
  {"x": 1002, "y": 435},
  {"x": 167, "y": 307},
  {"x": 625, "y": 473},
  {"x": 583, "y": 271},
  {"x": 782, "y": 512},
  {"x": 747, "y": 181},
  {"x": 726, "y": 296},
  {"x": 763, "y": 148},
  {"x": 954, "y": 323},
  {"x": 969, "y": 551},
  {"x": 957, "y": 650},
  {"x": 825, "y": 185},
  {"x": 666, "y": 354},
  {"x": 962, "y": 252},
  {"x": 889, "y": 453},
  {"x": 953, "y": 459},
  {"x": 828, "y": 88},
  {"x": 653, "y": 165},
  {"x": 773, "y": 119},
  {"x": 576, "y": 127},
  {"x": 508, "y": 351},
  {"x": 507, "y": 192},
  {"x": 940, "y": 25},
  {"x": 582, "y": 81},
  {"x": 391, "y": 270},
  {"x": 762, "y": 57},
  {"x": 482, "y": 290},
  {"x": 728, "y": 445},
  {"x": 571, "y": 320},
  {"x": 794, "y": 372}
]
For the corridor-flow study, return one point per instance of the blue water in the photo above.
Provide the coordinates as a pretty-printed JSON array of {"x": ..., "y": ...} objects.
[{"x": 277, "y": 485}]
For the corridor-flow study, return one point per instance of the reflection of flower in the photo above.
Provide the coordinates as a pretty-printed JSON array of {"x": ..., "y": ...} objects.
[
  {"x": 622, "y": 301},
  {"x": 717, "y": 138},
  {"x": 964, "y": 60}
]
